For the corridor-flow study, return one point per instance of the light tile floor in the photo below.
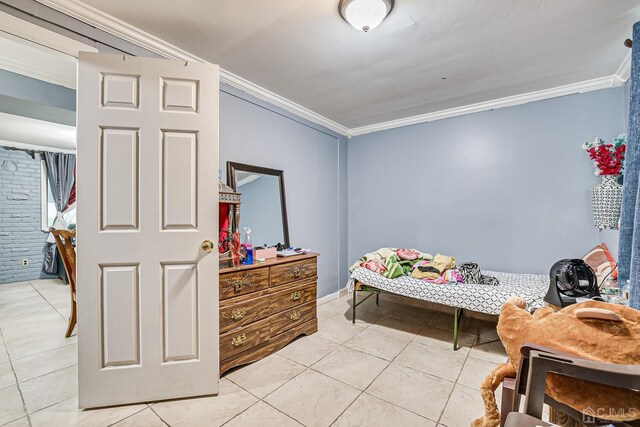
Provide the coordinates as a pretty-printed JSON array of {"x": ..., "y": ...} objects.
[{"x": 395, "y": 367}]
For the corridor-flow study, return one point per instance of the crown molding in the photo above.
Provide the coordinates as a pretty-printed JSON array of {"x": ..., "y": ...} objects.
[
  {"x": 624, "y": 70},
  {"x": 279, "y": 101},
  {"x": 116, "y": 27},
  {"x": 509, "y": 101}
]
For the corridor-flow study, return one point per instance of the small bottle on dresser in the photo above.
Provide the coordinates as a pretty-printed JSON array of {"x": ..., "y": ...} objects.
[{"x": 248, "y": 247}]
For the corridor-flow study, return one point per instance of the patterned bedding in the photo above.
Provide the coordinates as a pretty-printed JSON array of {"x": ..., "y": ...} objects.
[{"x": 482, "y": 298}]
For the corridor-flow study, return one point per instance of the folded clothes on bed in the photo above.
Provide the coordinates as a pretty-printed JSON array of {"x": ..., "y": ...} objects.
[
  {"x": 432, "y": 270},
  {"x": 392, "y": 263},
  {"x": 470, "y": 272}
]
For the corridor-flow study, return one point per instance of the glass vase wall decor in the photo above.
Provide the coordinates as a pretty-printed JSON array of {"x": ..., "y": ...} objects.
[{"x": 607, "y": 200}]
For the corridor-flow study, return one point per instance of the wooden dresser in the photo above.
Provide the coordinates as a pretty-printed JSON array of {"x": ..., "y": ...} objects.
[{"x": 264, "y": 306}]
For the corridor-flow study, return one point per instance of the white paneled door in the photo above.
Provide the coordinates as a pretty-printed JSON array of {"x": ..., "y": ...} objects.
[{"x": 147, "y": 208}]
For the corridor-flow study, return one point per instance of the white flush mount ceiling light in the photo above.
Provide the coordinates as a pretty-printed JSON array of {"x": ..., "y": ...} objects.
[{"x": 365, "y": 15}]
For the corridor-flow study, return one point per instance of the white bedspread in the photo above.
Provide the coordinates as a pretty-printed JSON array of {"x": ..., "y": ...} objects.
[{"x": 482, "y": 298}]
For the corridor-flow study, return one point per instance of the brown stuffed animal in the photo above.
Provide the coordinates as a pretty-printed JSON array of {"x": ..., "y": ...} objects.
[{"x": 594, "y": 339}]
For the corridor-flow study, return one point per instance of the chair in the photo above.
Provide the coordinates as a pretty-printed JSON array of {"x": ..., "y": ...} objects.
[
  {"x": 68, "y": 254},
  {"x": 532, "y": 374}
]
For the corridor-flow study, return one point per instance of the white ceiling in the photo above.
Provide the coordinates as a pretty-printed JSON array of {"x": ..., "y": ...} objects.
[{"x": 487, "y": 49}]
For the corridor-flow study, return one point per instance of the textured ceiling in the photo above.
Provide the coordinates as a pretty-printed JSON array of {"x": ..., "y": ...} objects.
[{"x": 428, "y": 55}]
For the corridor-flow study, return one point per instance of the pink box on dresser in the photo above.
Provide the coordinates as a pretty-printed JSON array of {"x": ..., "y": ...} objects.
[{"x": 265, "y": 253}]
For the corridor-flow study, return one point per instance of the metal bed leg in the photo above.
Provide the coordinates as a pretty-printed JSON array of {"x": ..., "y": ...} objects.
[
  {"x": 377, "y": 298},
  {"x": 456, "y": 324},
  {"x": 353, "y": 305}
]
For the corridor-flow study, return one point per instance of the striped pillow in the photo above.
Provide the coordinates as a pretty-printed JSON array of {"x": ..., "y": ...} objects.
[{"x": 602, "y": 262}]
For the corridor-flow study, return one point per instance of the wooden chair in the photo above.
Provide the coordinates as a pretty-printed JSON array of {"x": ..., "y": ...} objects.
[
  {"x": 536, "y": 362},
  {"x": 68, "y": 254}
]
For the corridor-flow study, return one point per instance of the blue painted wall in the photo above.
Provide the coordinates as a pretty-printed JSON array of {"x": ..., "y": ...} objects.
[
  {"x": 314, "y": 165},
  {"x": 24, "y": 96},
  {"x": 38, "y": 91},
  {"x": 509, "y": 188}
]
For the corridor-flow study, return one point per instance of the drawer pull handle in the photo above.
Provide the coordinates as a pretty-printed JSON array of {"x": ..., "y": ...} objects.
[
  {"x": 236, "y": 284},
  {"x": 295, "y": 296},
  {"x": 295, "y": 315},
  {"x": 297, "y": 271},
  {"x": 239, "y": 340},
  {"x": 238, "y": 313}
]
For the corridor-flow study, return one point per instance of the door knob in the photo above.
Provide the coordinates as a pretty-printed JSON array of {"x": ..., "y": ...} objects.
[{"x": 207, "y": 246}]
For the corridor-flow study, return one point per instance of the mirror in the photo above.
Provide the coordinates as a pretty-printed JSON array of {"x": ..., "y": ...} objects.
[{"x": 263, "y": 208}]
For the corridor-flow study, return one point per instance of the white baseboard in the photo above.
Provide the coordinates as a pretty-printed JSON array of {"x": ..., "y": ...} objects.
[{"x": 330, "y": 297}]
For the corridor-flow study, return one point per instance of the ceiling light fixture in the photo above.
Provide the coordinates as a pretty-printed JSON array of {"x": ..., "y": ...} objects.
[{"x": 365, "y": 15}]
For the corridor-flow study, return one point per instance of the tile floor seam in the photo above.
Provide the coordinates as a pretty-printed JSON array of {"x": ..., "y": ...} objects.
[
  {"x": 403, "y": 348},
  {"x": 45, "y": 351},
  {"x": 455, "y": 383},
  {"x": 50, "y": 405},
  {"x": 488, "y": 342},
  {"x": 377, "y": 397},
  {"x": 286, "y": 415},
  {"x": 244, "y": 389},
  {"x": 360, "y": 393},
  {"x": 53, "y": 404},
  {"x": 327, "y": 376},
  {"x": 49, "y": 373},
  {"x": 121, "y": 419},
  {"x": 44, "y": 298},
  {"x": 395, "y": 404},
  {"x": 350, "y": 349},
  {"x": 306, "y": 368},
  {"x": 434, "y": 347},
  {"x": 398, "y": 406},
  {"x": 290, "y": 359},
  {"x": 241, "y": 412},
  {"x": 291, "y": 379},
  {"x": 157, "y": 414},
  {"x": 24, "y": 404}
]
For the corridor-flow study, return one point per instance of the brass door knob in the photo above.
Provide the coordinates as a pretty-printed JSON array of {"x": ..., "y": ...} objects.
[{"x": 207, "y": 246}]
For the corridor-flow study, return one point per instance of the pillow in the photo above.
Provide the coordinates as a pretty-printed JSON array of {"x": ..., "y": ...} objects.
[{"x": 601, "y": 261}]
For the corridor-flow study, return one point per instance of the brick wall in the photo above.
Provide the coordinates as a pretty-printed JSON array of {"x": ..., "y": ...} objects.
[{"x": 21, "y": 235}]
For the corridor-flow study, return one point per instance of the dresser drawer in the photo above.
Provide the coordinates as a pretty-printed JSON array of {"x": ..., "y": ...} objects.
[
  {"x": 293, "y": 271},
  {"x": 293, "y": 296},
  {"x": 243, "y": 282},
  {"x": 242, "y": 313},
  {"x": 244, "y": 338},
  {"x": 293, "y": 317}
]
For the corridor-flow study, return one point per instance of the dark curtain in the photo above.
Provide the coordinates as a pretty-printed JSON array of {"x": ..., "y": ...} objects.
[
  {"x": 72, "y": 194},
  {"x": 61, "y": 173},
  {"x": 629, "y": 249}
]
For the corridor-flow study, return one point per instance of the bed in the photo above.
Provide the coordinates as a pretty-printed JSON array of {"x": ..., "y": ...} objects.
[{"x": 486, "y": 299}]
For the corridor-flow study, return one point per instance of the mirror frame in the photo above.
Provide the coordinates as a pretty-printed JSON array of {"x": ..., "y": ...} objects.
[{"x": 232, "y": 167}]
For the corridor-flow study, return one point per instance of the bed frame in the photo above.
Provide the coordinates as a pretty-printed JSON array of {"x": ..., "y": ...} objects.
[{"x": 359, "y": 286}]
